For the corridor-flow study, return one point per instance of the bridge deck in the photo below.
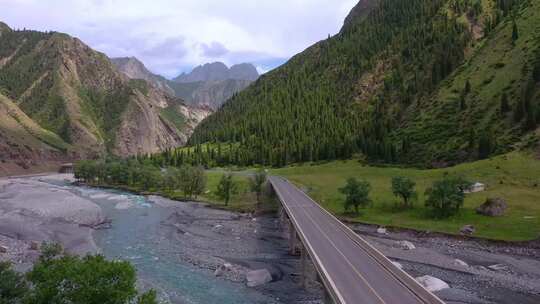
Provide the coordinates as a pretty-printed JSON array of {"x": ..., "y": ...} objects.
[{"x": 352, "y": 270}]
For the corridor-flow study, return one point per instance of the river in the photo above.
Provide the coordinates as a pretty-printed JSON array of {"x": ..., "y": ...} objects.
[{"x": 175, "y": 247}]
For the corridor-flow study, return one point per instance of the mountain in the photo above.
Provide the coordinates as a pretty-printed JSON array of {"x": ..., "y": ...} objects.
[
  {"x": 213, "y": 83},
  {"x": 62, "y": 100},
  {"x": 218, "y": 71},
  {"x": 425, "y": 83},
  {"x": 135, "y": 69}
]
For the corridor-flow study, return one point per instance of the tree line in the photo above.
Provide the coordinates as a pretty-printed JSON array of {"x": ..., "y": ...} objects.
[
  {"x": 152, "y": 174},
  {"x": 445, "y": 197}
]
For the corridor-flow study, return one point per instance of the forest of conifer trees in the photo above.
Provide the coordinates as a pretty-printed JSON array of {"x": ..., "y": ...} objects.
[{"x": 314, "y": 107}]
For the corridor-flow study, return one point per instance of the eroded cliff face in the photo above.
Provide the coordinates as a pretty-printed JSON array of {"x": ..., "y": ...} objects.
[
  {"x": 145, "y": 129},
  {"x": 71, "y": 102},
  {"x": 133, "y": 68}
]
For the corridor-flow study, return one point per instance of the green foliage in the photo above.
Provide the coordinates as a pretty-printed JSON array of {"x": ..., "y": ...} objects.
[
  {"x": 105, "y": 108},
  {"x": 256, "y": 183},
  {"x": 373, "y": 90},
  {"x": 227, "y": 187},
  {"x": 446, "y": 196},
  {"x": 192, "y": 180},
  {"x": 403, "y": 188},
  {"x": 512, "y": 176},
  {"x": 71, "y": 279},
  {"x": 515, "y": 32},
  {"x": 50, "y": 251},
  {"x": 149, "y": 297},
  {"x": 13, "y": 287},
  {"x": 174, "y": 116},
  {"x": 505, "y": 106},
  {"x": 356, "y": 194},
  {"x": 88, "y": 280}
]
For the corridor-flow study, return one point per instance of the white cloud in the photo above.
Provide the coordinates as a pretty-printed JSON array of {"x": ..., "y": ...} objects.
[{"x": 171, "y": 36}]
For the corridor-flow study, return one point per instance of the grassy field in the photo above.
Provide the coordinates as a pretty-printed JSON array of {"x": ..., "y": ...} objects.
[
  {"x": 514, "y": 177},
  {"x": 243, "y": 201}
]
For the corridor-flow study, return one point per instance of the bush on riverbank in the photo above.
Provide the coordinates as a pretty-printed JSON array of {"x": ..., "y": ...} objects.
[{"x": 58, "y": 278}]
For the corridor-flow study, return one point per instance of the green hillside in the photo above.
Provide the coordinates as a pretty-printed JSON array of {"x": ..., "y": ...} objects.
[{"x": 416, "y": 82}]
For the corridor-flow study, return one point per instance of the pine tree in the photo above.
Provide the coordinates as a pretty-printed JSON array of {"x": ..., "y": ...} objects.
[
  {"x": 505, "y": 107},
  {"x": 515, "y": 32}
]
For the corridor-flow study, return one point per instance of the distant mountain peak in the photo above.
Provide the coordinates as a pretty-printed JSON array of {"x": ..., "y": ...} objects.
[
  {"x": 218, "y": 71},
  {"x": 133, "y": 68}
]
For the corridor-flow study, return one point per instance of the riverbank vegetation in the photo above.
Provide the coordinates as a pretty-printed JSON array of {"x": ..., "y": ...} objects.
[
  {"x": 60, "y": 278},
  {"x": 515, "y": 177},
  {"x": 239, "y": 191}
]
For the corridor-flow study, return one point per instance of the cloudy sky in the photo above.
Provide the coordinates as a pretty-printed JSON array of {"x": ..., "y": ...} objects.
[{"x": 173, "y": 36}]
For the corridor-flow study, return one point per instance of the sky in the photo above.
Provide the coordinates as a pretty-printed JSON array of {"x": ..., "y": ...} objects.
[{"x": 173, "y": 36}]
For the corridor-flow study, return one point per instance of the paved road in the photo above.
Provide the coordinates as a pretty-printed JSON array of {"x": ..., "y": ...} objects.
[{"x": 352, "y": 270}]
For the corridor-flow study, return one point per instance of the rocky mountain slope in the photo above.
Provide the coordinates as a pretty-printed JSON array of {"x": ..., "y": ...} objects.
[
  {"x": 61, "y": 99},
  {"x": 427, "y": 83},
  {"x": 135, "y": 69},
  {"x": 207, "y": 86},
  {"x": 213, "y": 83}
]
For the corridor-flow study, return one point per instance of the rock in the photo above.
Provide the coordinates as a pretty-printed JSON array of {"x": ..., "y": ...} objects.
[
  {"x": 123, "y": 205},
  {"x": 381, "y": 230},
  {"x": 459, "y": 262},
  {"x": 398, "y": 265},
  {"x": 467, "y": 230},
  {"x": 258, "y": 277},
  {"x": 220, "y": 271},
  {"x": 493, "y": 207},
  {"x": 432, "y": 284},
  {"x": 217, "y": 227},
  {"x": 34, "y": 245},
  {"x": 406, "y": 245},
  {"x": 498, "y": 267},
  {"x": 3, "y": 249}
]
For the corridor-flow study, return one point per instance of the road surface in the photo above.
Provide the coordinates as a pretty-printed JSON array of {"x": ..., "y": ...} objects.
[{"x": 353, "y": 271}]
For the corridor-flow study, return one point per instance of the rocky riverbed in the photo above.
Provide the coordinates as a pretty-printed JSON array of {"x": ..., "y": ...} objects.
[
  {"x": 476, "y": 271},
  {"x": 194, "y": 254}
]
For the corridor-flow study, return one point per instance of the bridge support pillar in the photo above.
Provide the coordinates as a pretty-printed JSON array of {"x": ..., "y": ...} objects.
[
  {"x": 293, "y": 240},
  {"x": 303, "y": 267},
  {"x": 327, "y": 298}
]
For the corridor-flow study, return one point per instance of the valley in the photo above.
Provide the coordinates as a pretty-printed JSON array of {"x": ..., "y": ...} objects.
[{"x": 329, "y": 153}]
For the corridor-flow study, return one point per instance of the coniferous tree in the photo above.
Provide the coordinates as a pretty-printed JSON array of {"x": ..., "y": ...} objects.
[
  {"x": 505, "y": 107},
  {"x": 515, "y": 32}
]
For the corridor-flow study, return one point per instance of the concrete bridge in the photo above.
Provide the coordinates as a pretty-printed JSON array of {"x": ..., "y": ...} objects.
[{"x": 351, "y": 270}]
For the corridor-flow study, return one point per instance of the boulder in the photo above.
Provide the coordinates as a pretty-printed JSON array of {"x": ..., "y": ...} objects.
[
  {"x": 432, "y": 284},
  {"x": 258, "y": 277},
  {"x": 498, "y": 267},
  {"x": 34, "y": 245},
  {"x": 381, "y": 230},
  {"x": 406, "y": 245},
  {"x": 222, "y": 269},
  {"x": 3, "y": 249},
  {"x": 493, "y": 207},
  {"x": 467, "y": 230},
  {"x": 459, "y": 262}
]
